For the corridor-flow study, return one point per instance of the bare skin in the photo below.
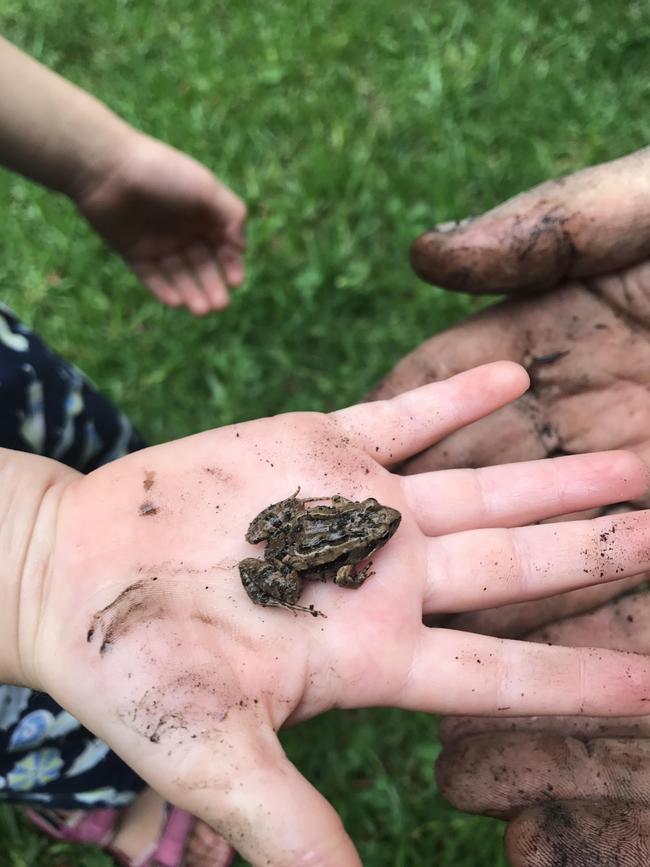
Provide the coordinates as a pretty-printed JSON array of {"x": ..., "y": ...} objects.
[
  {"x": 177, "y": 226},
  {"x": 574, "y": 792}
]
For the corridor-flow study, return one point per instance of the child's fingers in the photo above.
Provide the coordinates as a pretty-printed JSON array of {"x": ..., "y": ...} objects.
[
  {"x": 457, "y": 672},
  {"x": 156, "y": 281},
  {"x": 232, "y": 264},
  {"x": 392, "y": 430},
  {"x": 180, "y": 274},
  {"x": 484, "y": 568},
  {"x": 207, "y": 275},
  {"x": 511, "y": 495},
  {"x": 621, "y": 624}
]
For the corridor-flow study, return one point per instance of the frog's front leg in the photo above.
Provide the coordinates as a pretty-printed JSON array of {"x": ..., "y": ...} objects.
[
  {"x": 347, "y": 576},
  {"x": 270, "y": 582}
]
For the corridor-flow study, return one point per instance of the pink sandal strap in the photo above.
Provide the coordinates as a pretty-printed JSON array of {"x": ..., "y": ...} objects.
[
  {"x": 173, "y": 840},
  {"x": 98, "y": 826},
  {"x": 94, "y": 826},
  {"x": 170, "y": 848}
]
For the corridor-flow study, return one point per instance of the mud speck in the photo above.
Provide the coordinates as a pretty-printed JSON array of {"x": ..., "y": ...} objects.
[
  {"x": 218, "y": 473},
  {"x": 148, "y": 508},
  {"x": 149, "y": 479}
]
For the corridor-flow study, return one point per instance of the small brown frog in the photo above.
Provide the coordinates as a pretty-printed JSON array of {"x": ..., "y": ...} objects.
[{"x": 314, "y": 543}]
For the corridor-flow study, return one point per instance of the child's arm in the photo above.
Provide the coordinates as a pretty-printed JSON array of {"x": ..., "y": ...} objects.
[
  {"x": 175, "y": 224},
  {"x": 52, "y": 131}
]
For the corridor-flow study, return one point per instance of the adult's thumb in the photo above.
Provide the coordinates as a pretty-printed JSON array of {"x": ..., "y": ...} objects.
[{"x": 593, "y": 222}]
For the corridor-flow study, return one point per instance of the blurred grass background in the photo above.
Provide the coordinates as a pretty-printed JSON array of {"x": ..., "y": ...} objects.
[{"x": 348, "y": 129}]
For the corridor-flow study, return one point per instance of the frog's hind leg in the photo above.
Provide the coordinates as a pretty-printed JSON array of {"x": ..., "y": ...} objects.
[{"x": 347, "y": 576}]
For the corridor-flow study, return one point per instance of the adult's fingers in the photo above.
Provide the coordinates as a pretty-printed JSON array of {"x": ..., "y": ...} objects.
[
  {"x": 587, "y": 355},
  {"x": 592, "y": 222},
  {"x": 516, "y": 494},
  {"x": 499, "y": 566},
  {"x": 455, "y": 672},
  {"x": 499, "y": 776},
  {"x": 392, "y": 430},
  {"x": 453, "y": 729},
  {"x": 623, "y": 624},
  {"x": 516, "y": 620},
  {"x": 580, "y": 834}
]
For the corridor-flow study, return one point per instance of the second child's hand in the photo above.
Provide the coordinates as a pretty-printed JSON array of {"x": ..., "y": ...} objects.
[{"x": 173, "y": 222}]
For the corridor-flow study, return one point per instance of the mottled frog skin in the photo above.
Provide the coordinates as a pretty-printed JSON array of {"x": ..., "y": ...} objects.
[{"x": 313, "y": 542}]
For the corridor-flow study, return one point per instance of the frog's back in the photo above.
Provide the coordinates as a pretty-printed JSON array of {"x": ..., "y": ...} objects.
[{"x": 326, "y": 538}]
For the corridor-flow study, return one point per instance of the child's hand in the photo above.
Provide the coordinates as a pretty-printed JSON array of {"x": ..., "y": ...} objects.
[
  {"x": 174, "y": 223},
  {"x": 137, "y": 622}
]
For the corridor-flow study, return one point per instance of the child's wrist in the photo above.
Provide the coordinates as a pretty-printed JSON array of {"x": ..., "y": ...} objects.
[
  {"x": 103, "y": 151},
  {"x": 30, "y": 491}
]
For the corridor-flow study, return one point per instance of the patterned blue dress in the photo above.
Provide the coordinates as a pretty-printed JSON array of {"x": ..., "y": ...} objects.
[{"x": 50, "y": 408}]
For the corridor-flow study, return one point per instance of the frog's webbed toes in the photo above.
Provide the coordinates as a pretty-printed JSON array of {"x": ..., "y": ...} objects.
[
  {"x": 248, "y": 571},
  {"x": 307, "y": 609},
  {"x": 266, "y": 580}
]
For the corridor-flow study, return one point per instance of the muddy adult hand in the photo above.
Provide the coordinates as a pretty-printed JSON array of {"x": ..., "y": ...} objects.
[
  {"x": 586, "y": 347},
  {"x": 576, "y": 790},
  {"x": 585, "y": 344},
  {"x": 591, "y": 223},
  {"x": 177, "y": 226},
  {"x": 136, "y": 621}
]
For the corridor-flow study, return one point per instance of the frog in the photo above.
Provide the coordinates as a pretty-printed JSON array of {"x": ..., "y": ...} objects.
[{"x": 313, "y": 542}]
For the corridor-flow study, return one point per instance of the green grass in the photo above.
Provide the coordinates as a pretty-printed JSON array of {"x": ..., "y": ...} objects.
[{"x": 348, "y": 128}]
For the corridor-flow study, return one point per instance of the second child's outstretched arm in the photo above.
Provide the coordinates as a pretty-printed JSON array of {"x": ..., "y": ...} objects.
[{"x": 175, "y": 224}]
